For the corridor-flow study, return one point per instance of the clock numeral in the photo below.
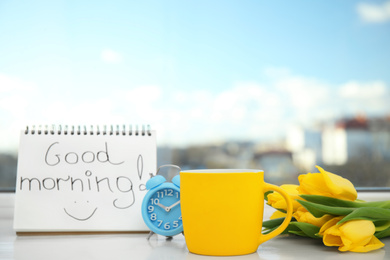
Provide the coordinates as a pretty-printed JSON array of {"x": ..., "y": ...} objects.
[
  {"x": 154, "y": 201},
  {"x": 163, "y": 193},
  {"x": 175, "y": 224},
  {"x": 159, "y": 222},
  {"x": 169, "y": 192},
  {"x": 150, "y": 209},
  {"x": 167, "y": 225},
  {"x": 153, "y": 217},
  {"x": 177, "y": 194},
  {"x": 180, "y": 218}
]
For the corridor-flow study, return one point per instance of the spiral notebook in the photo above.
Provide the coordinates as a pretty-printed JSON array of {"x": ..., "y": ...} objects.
[{"x": 83, "y": 179}]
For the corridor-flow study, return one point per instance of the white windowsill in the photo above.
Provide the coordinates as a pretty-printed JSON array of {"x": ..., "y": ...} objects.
[{"x": 135, "y": 246}]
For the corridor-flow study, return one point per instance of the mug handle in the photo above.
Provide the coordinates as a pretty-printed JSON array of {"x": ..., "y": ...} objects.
[{"x": 286, "y": 221}]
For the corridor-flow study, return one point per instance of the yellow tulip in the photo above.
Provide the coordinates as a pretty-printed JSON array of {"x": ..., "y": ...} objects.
[
  {"x": 326, "y": 184},
  {"x": 277, "y": 201},
  {"x": 303, "y": 215},
  {"x": 278, "y": 214},
  {"x": 354, "y": 235}
]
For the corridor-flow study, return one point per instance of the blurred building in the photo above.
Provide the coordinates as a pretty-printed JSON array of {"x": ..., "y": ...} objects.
[
  {"x": 305, "y": 145},
  {"x": 8, "y": 165},
  {"x": 340, "y": 142},
  {"x": 358, "y": 148},
  {"x": 359, "y": 137},
  {"x": 380, "y": 130},
  {"x": 278, "y": 165}
]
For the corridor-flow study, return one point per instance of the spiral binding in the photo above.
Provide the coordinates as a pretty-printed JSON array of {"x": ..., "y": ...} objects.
[{"x": 84, "y": 130}]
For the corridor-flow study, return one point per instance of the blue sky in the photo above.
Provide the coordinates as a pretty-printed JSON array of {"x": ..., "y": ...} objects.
[{"x": 197, "y": 71}]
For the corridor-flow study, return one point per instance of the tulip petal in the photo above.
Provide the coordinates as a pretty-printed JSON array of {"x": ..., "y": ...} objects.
[
  {"x": 356, "y": 233},
  {"x": 312, "y": 183},
  {"x": 340, "y": 187},
  {"x": 373, "y": 244},
  {"x": 278, "y": 214},
  {"x": 302, "y": 215},
  {"x": 277, "y": 201},
  {"x": 332, "y": 237},
  {"x": 329, "y": 224},
  {"x": 326, "y": 184}
]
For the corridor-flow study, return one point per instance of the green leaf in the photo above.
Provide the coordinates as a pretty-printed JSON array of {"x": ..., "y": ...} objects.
[
  {"x": 383, "y": 233},
  {"x": 268, "y": 224},
  {"x": 281, "y": 210},
  {"x": 373, "y": 214},
  {"x": 305, "y": 229},
  {"x": 381, "y": 225},
  {"x": 318, "y": 210},
  {"x": 266, "y": 194},
  {"x": 294, "y": 227},
  {"x": 269, "y": 230},
  {"x": 328, "y": 201}
]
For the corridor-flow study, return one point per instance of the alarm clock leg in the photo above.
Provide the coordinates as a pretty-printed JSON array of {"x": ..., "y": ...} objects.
[{"x": 151, "y": 233}]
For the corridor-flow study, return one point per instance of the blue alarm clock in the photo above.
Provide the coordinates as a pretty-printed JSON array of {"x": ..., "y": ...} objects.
[{"x": 160, "y": 208}]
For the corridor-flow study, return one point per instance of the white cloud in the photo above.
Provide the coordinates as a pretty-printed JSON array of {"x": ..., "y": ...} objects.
[
  {"x": 245, "y": 110},
  {"x": 88, "y": 112},
  {"x": 374, "y": 13},
  {"x": 14, "y": 95},
  {"x": 238, "y": 103},
  {"x": 15, "y": 99},
  {"x": 111, "y": 56},
  {"x": 16, "y": 105},
  {"x": 366, "y": 97},
  {"x": 143, "y": 95},
  {"x": 363, "y": 91},
  {"x": 250, "y": 110},
  {"x": 303, "y": 92},
  {"x": 9, "y": 83},
  {"x": 277, "y": 72},
  {"x": 139, "y": 103}
]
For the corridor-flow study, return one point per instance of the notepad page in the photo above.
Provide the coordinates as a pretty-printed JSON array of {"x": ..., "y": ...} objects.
[{"x": 82, "y": 182}]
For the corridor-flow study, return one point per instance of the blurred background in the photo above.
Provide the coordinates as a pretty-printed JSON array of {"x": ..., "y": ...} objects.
[{"x": 277, "y": 85}]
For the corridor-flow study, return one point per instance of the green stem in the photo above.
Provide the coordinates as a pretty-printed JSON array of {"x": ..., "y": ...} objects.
[{"x": 328, "y": 201}]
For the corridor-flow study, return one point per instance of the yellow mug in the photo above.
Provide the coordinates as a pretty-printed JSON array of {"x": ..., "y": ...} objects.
[{"x": 222, "y": 211}]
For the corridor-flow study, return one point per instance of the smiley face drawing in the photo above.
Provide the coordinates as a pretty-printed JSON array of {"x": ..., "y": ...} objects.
[{"x": 80, "y": 210}]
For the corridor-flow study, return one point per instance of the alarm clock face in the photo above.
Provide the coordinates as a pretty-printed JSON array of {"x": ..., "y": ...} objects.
[{"x": 163, "y": 212}]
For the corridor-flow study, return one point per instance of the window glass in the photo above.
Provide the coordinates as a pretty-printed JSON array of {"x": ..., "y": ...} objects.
[{"x": 280, "y": 86}]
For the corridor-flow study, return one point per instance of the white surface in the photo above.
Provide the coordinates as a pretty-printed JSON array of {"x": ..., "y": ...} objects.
[{"x": 136, "y": 246}]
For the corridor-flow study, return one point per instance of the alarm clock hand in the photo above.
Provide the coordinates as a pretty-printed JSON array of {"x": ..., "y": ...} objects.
[
  {"x": 162, "y": 206},
  {"x": 173, "y": 205}
]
